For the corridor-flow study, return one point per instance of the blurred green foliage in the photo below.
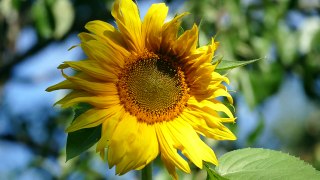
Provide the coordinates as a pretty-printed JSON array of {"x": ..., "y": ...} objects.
[
  {"x": 286, "y": 35},
  {"x": 53, "y": 20},
  {"x": 258, "y": 29},
  {"x": 246, "y": 29}
]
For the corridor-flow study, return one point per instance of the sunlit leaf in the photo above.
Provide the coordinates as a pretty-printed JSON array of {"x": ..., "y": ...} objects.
[{"x": 256, "y": 163}]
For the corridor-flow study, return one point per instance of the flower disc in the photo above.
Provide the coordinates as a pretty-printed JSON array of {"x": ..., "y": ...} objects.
[{"x": 153, "y": 89}]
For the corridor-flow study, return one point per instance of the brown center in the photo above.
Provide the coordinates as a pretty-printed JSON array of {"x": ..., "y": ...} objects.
[{"x": 153, "y": 89}]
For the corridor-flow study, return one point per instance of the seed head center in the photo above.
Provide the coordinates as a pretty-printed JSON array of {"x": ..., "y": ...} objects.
[
  {"x": 152, "y": 89},
  {"x": 154, "y": 85}
]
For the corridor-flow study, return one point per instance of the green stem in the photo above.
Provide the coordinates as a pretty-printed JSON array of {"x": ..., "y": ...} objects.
[{"x": 146, "y": 172}]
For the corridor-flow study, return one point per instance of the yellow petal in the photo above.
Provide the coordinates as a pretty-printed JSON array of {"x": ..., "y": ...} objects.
[
  {"x": 203, "y": 59},
  {"x": 210, "y": 106},
  {"x": 169, "y": 166},
  {"x": 152, "y": 26},
  {"x": 67, "y": 84},
  {"x": 123, "y": 136},
  {"x": 92, "y": 87},
  {"x": 200, "y": 75},
  {"x": 91, "y": 118},
  {"x": 85, "y": 37},
  {"x": 216, "y": 77},
  {"x": 106, "y": 31},
  {"x": 210, "y": 92},
  {"x": 196, "y": 54},
  {"x": 73, "y": 94},
  {"x": 96, "y": 101},
  {"x": 168, "y": 148},
  {"x": 198, "y": 63},
  {"x": 186, "y": 43},
  {"x": 202, "y": 118},
  {"x": 93, "y": 69},
  {"x": 108, "y": 128},
  {"x": 128, "y": 21},
  {"x": 142, "y": 150},
  {"x": 190, "y": 144},
  {"x": 62, "y": 85},
  {"x": 106, "y": 44},
  {"x": 221, "y": 92},
  {"x": 169, "y": 33},
  {"x": 105, "y": 55},
  {"x": 208, "y": 125}
]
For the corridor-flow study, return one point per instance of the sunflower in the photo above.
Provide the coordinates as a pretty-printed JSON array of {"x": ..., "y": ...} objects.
[{"x": 154, "y": 92}]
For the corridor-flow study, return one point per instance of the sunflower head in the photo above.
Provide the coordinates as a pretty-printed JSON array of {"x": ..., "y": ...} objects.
[{"x": 154, "y": 92}]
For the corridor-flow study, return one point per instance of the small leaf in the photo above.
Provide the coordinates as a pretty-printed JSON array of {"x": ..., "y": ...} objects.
[
  {"x": 227, "y": 64},
  {"x": 200, "y": 24},
  {"x": 217, "y": 59},
  {"x": 256, "y": 163},
  {"x": 212, "y": 174},
  {"x": 81, "y": 108},
  {"x": 83, "y": 139},
  {"x": 72, "y": 47}
]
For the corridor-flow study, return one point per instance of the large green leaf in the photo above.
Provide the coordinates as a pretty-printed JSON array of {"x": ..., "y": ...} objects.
[
  {"x": 212, "y": 174},
  {"x": 256, "y": 163},
  {"x": 81, "y": 140}
]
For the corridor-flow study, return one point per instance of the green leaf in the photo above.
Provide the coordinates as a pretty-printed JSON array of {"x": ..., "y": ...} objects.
[
  {"x": 200, "y": 24},
  {"x": 256, "y": 163},
  {"x": 227, "y": 64},
  {"x": 212, "y": 174},
  {"x": 83, "y": 139},
  {"x": 81, "y": 108}
]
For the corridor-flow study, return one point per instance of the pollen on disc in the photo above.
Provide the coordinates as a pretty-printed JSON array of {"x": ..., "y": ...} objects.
[{"x": 152, "y": 88}]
